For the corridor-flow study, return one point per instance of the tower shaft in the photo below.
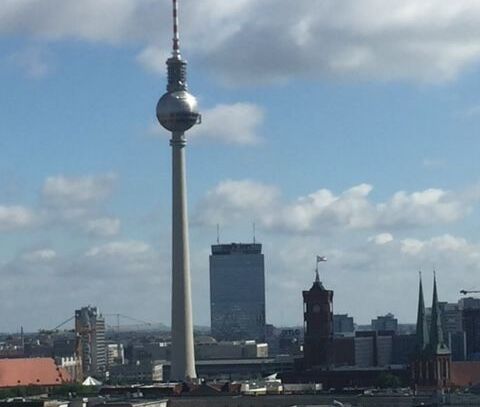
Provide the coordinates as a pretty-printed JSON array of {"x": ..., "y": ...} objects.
[{"x": 182, "y": 357}]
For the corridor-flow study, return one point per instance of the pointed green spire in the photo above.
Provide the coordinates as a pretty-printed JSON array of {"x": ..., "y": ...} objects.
[
  {"x": 437, "y": 343},
  {"x": 422, "y": 327}
]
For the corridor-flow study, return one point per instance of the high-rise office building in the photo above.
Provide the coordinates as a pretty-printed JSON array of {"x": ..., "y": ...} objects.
[
  {"x": 237, "y": 291},
  {"x": 90, "y": 331}
]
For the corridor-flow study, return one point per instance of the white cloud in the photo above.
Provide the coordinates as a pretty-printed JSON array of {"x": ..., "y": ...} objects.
[
  {"x": 320, "y": 210},
  {"x": 72, "y": 192},
  {"x": 243, "y": 120},
  {"x": 109, "y": 21},
  {"x": 445, "y": 244},
  {"x": 153, "y": 59},
  {"x": 431, "y": 41},
  {"x": 236, "y": 200},
  {"x": 42, "y": 255},
  {"x": 381, "y": 238},
  {"x": 73, "y": 203},
  {"x": 15, "y": 217},
  {"x": 412, "y": 246},
  {"x": 105, "y": 227},
  {"x": 424, "y": 207},
  {"x": 122, "y": 249}
]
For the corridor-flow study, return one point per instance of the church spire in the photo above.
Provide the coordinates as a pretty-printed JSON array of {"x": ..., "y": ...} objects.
[
  {"x": 437, "y": 343},
  {"x": 422, "y": 328}
]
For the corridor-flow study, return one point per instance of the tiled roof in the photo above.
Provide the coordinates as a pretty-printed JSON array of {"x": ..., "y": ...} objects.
[{"x": 28, "y": 372}]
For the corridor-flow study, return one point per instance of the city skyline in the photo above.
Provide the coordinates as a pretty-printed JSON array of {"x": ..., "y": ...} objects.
[{"x": 350, "y": 135}]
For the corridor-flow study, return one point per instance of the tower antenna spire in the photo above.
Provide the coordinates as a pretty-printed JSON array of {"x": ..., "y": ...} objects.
[{"x": 176, "y": 36}]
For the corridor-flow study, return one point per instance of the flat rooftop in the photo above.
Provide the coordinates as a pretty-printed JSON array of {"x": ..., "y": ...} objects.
[{"x": 236, "y": 248}]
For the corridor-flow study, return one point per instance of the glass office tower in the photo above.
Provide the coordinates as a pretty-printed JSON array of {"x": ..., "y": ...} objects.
[{"x": 237, "y": 291}]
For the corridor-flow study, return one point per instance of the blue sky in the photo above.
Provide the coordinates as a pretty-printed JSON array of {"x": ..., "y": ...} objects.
[{"x": 343, "y": 129}]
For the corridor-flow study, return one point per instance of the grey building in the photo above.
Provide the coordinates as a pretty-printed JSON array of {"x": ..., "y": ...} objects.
[
  {"x": 90, "y": 331},
  {"x": 385, "y": 323},
  {"x": 374, "y": 348},
  {"x": 237, "y": 291},
  {"x": 342, "y": 324}
]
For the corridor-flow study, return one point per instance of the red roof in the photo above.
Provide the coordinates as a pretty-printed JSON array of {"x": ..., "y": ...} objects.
[
  {"x": 28, "y": 372},
  {"x": 465, "y": 373}
]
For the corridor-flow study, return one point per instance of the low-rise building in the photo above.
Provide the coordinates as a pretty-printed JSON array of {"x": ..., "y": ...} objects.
[
  {"x": 207, "y": 350},
  {"x": 140, "y": 372}
]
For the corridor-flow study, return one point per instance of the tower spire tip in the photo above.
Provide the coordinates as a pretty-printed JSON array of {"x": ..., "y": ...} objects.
[{"x": 176, "y": 35}]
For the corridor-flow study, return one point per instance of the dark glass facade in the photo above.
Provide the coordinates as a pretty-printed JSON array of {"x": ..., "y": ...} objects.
[
  {"x": 471, "y": 325},
  {"x": 237, "y": 292}
]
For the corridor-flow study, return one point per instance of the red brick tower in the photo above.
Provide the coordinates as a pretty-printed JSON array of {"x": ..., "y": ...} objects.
[{"x": 318, "y": 324}]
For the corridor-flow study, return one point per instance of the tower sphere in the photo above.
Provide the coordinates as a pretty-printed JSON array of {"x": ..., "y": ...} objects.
[{"x": 177, "y": 111}]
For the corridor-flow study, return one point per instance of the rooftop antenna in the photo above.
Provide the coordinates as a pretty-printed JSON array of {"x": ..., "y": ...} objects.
[
  {"x": 176, "y": 36},
  {"x": 253, "y": 232},
  {"x": 218, "y": 233}
]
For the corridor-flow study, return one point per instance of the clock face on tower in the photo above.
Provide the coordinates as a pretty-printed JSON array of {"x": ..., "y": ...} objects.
[{"x": 316, "y": 308}]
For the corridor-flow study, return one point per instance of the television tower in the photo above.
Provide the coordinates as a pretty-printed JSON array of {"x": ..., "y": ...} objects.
[{"x": 177, "y": 112}]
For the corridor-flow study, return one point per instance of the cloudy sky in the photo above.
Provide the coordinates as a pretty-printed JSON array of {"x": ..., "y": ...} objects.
[{"x": 346, "y": 129}]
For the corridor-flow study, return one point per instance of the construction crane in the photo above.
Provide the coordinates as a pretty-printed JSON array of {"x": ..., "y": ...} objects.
[
  {"x": 55, "y": 330},
  {"x": 118, "y": 316},
  {"x": 465, "y": 292},
  {"x": 63, "y": 323}
]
